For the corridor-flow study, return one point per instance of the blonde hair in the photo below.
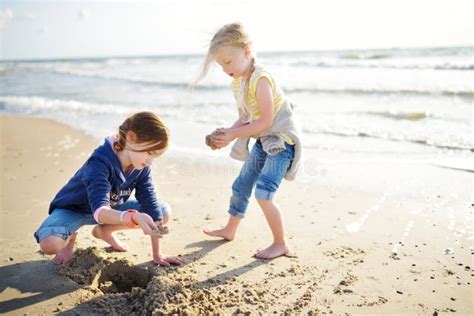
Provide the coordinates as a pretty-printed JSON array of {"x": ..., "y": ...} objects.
[
  {"x": 148, "y": 128},
  {"x": 232, "y": 34}
]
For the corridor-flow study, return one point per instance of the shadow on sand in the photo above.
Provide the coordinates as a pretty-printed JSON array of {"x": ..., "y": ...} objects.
[{"x": 37, "y": 278}]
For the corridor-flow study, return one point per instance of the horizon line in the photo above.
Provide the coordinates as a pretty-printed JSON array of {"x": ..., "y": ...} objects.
[{"x": 160, "y": 55}]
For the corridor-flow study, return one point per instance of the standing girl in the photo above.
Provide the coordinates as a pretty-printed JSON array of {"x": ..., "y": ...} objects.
[
  {"x": 265, "y": 114},
  {"x": 99, "y": 192}
]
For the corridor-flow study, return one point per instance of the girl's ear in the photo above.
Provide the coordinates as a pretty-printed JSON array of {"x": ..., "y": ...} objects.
[
  {"x": 131, "y": 137},
  {"x": 247, "y": 51}
]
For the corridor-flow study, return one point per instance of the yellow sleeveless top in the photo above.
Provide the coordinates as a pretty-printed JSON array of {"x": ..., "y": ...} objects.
[{"x": 248, "y": 106}]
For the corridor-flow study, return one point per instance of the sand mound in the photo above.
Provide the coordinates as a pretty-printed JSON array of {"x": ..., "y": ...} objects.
[
  {"x": 154, "y": 299},
  {"x": 84, "y": 266},
  {"x": 121, "y": 288},
  {"x": 164, "y": 296},
  {"x": 130, "y": 289}
]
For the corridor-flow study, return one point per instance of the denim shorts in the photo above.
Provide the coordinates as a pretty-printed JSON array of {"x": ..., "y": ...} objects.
[
  {"x": 263, "y": 171},
  {"x": 63, "y": 223}
]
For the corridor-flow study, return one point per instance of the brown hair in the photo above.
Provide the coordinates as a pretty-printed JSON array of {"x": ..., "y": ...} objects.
[{"x": 148, "y": 128}]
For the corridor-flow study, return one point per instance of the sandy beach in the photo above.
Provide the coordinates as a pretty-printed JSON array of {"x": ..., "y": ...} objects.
[{"x": 365, "y": 237}]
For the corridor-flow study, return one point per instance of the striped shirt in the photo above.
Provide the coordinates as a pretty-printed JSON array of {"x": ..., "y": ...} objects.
[{"x": 248, "y": 106}]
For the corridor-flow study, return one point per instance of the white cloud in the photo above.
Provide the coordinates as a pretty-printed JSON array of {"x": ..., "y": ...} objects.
[
  {"x": 5, "y": 16},
  {"x": 83, "y": 14},
  {"x": 26, "y": 16}
]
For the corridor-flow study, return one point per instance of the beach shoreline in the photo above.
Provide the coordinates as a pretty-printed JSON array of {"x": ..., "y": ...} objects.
[{"x": 366, "y": 237}]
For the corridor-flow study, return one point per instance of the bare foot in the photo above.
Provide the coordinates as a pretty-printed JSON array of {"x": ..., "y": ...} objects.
[
  {"x": 223, "y": 233},
  {"x": 102, "y": 232},
  {"x": 65, "y": 254},
  {"x": 275, "y": 250}
]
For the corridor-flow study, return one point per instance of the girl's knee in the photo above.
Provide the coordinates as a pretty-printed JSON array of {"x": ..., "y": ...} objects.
[
  {"x": 166, "y": 217},
  {"x": 236, "y": 186},
  {"x": 52, "y": 245},
  {"x": 268, "y": 184},
  {"x": 264, "y": 202}
]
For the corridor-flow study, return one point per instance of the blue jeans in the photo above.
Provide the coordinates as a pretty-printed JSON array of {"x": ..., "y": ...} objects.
[
  {"x": 262, "y": 169},
  {"x": 63, "y": 223}
]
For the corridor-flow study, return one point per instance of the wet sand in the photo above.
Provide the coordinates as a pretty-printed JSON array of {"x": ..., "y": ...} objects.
[{"x": 354, "y": 249}]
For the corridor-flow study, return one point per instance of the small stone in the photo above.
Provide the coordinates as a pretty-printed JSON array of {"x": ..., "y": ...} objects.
[
  {"x": 399, "y": 292},
  {"x": 449, "y": 251}
]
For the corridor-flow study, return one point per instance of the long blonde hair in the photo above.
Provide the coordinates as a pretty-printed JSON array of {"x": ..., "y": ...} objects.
[{"x": 232, "y": 34}]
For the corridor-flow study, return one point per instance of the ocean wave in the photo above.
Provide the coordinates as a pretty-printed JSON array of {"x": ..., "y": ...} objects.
[
  {"x": 39, "y": 105},
  {"x": 224, "y": 87},
  {"x": 394, "y": 137},
  {"x": 381, "y": 92},
  {"x": 465, "y": 164},
  {"x": 100, "y": 74},
  {"x": 418, "y": 127},
  {"x": 339, "y": 64},
  {"x": 413, "y": 116},
  {"x": 206, "y": 112},
  {"x": 365, "y": 55},
  {"x": 144, "y": 76},
  {"x": 410, "y": 116},
  {"x": 5, "y": 71},
  {"x": 454, "y": 67}
]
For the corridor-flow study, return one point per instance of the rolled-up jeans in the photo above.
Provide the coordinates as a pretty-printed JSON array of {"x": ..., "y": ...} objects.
[
  {"x": 63, "y": 223},
  {"x": 262, "y": 170}
]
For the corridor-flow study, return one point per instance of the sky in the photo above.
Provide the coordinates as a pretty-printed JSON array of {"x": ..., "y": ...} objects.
[{"x": 82, "y": 29}]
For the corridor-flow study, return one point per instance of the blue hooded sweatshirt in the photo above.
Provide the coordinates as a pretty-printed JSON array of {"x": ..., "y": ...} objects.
[{"x": 102, "y": 182}]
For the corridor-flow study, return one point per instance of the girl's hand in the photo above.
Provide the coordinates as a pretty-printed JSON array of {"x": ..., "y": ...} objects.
[
  {"x": 210, "y": 139},
  {"x": 145, "y": 222},
  {"x": 222, "y": 137},
  {"x": 209, "y": 142},
  {"x": 165, "y": 261}
]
